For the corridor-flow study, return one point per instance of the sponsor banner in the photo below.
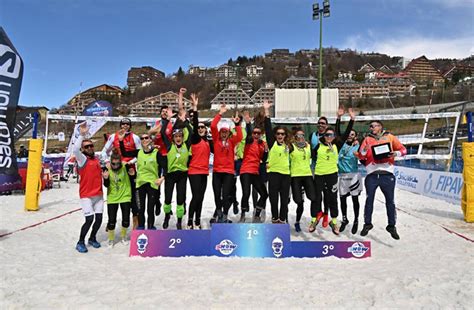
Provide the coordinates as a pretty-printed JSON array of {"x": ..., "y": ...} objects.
[
  {"x": 98, "y": 108},
  {"x": 172, "y": 243},
  {"x": 24, "y": 122},
  {"x": 340, "y": 249},
  {"x": 436, "y": 184},
  {"x": 11, "y": 75},
  {"x": 56, "y": 164}
]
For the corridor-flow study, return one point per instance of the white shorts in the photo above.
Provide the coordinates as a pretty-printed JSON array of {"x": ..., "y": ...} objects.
[
  {"x": 92, "y": 205},
  {"x": 350, "y": 183}
]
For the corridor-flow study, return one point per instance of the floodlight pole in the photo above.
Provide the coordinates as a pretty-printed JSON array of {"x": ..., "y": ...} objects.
[{"x": 319, "y": 14}]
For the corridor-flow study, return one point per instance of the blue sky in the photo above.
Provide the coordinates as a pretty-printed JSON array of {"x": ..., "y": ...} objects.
[{"x": 66, "y": 42}]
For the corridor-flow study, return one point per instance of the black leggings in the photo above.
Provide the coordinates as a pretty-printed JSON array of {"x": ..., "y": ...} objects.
[
  {"x": 144, "y": 191},
  {"x": 112, "y": 209},
  {"x": 297, "y": 184},
  {"x": 247, "y": 179},
  {"x": 327, "y": 185},
  {"x": 87, "y": 225},
  {"x": 222, "y": 184},
  {"x": 198, "y": 188},
  {"x": 355, "y": 205},
  {"x": 279, "y": 186},
  {"x": 179, "y": 178}
]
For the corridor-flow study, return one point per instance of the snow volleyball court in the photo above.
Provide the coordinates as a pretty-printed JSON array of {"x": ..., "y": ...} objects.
[{"x": 432, "y": 266}]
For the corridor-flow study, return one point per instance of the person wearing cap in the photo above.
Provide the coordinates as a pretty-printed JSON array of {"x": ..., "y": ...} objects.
[
  {"x": 224, "y": 152},
  {"x": 131, "y": 143},
  {"x": 178, "y": 154},
  {"x": 198, "y": 172},
  {"x": 380, "y": 174}
]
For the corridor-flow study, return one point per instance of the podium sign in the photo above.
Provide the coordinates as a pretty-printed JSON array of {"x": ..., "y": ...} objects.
[
  {"x": 341, "y": 249},
  {"x": 251, "y": 240},
  {"x": 172, "y": 243}
]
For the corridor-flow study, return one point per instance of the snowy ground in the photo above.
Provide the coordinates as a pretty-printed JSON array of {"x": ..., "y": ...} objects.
[{"x": 429, "y": 267}]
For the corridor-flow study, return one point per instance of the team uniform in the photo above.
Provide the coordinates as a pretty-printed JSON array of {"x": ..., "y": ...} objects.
[
  {"x": 198, "y": 172},
  {"x": 90, "y": 194}
]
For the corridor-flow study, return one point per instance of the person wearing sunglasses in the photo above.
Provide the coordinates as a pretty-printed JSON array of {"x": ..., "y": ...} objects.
[
  {"x": 223, "y": 171},
  {"x": 326, "y": 155},
  {"x": 278, "y": 167},
  {"x": 198, "y": 172},
  {"x": 301, "y": 174},
  {"x": 90, "y": 188},
  {"x": 119, "y": 194},
  {"x": 148, "y": 180},
  {"x": 350, "y": 179},
  {"x": 132, "y": 143},
  {"x": 380, "y": 174},
  {"x": 255, "y": 151}
]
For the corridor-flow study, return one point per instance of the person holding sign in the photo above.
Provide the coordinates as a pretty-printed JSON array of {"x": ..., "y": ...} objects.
[
  {"x": 378, "y": 152},
  {"x": 90, "y": 188}
]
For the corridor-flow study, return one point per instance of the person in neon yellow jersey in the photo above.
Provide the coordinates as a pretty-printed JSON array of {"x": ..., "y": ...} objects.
[
  {"x": 117, "y": 179},
  {"x": 326, "y": 155},
  {"x": 301, "y": 174},
  {"x": 278, "y": 166}
]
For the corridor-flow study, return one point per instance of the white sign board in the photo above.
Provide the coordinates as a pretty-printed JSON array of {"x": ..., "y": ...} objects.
[{"x": 436, "y": 184}]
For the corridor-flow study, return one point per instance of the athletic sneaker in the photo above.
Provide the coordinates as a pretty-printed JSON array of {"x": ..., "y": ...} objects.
[
  {"x": 197, "y": 225},
  {"x": 178, "y": 226},
  {"x": 124, "y": 241},
  {"x": 315, "y": 222},
  {"x": 81, "y": 247},
  {"x": 393, "y": 231},
  {"x": 190, "y": 226},
  {"x": 297, "y": 227},
  {"x": 343, "y": 225},
  {"x": 110, "y": 244},
  {"x": 242, "y": 217},
  {"x": 158, "y": 208},
  {"x": 355, "y": 226},
  {"x": 166, "y": 222},
  {"x": 275, "y": 221},
  {"x": 365, "y": 229},
  {"x": 94, "y": 243},
  {"x": 236, "y": 207},
  {"x": 325, "y": 220},
  {"x": 334, "y": 227}
]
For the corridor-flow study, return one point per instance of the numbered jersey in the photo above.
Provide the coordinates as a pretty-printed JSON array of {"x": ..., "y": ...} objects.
[
  {"x": 326, "y": 162},
  {"x": 279, "y": 159},
  {"x": 178, "y": 158},
  {"x": 147, "y": 167},
  {"x": 301, "y": 161},
  {"x": 119, "y": 190}
]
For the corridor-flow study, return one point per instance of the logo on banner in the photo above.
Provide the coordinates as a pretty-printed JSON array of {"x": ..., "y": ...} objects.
[
  {"x": 10, "y": 62},
  {"x": 142, "y": 243},
  {"x": 277, "y": 247},
  {"x": 428, "y": 184},
  {"x": 358, "y": 249},
  {"x": 406, "y": 179},
  {"x": 226, "y": 247}
]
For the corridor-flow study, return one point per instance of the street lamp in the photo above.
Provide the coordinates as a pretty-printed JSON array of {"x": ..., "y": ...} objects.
[{"x": 316, "y": 15}]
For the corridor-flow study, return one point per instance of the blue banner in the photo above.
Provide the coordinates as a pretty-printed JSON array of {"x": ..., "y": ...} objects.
[{"x": 98, "y": 108}]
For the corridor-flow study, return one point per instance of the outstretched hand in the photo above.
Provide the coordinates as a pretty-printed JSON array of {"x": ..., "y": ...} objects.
[
  {"x": 246, "y": 116},
  {"x": 222, "y": 109},
  {"x": 351, "y": 113},
  {"x": 340, "y": 111},
  {"x": 194, "y": 100},
  {"x": 83, "y": 129}
]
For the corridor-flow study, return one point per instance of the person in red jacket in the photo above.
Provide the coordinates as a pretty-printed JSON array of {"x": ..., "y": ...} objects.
[
  {"x": 255, "y": 151},
  {"x": 223, "y": 172},
  {"x": 90, "y": 188},
  {"x": 377, "y": 152},
  {"x": 198, "y": 172}
]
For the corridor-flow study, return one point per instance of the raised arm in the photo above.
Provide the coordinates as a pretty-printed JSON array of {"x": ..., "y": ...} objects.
[
  {"x": 248, "y": 127},
  {"x": 195, "y": 137},
  {"x": 76, "y": 150},
  {"x": 181, "y": 93},
  {"x": 215, "y": 121},
  {"x": 268, "y": 124},
  {"x": 238, "y": 130},
  {"x": 164, "y": 136}
]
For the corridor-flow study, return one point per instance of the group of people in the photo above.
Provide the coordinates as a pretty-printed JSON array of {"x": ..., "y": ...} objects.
[{"x": 271, "y": 162}]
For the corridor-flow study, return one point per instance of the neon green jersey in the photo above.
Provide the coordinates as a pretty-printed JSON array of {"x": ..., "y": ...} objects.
[
  {"x": 300, "y": 160},
  {"x": 279, "y": 159},
  {"x": 119, "y": 190},
  {"x": 326, "y": 162},
  {"x": 178, "y": 158},
  {"x": 147, "y": 168}
]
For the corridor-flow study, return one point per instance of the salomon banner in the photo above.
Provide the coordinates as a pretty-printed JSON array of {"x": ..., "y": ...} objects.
[{"x": 11, "y": 75}]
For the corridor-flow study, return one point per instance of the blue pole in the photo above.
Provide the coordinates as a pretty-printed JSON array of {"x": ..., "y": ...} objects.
[
  {"x": 35, "y": 125},
  {"x": 469, "y": 126}
]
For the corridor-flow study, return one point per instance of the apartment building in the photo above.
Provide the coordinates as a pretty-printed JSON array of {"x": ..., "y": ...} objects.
[{"x": 141, "y": 76}]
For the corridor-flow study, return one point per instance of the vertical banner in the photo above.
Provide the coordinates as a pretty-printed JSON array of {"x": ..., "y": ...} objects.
[
  {"x": 11, "y": 75},
  {"x": 469, "y": 126}
]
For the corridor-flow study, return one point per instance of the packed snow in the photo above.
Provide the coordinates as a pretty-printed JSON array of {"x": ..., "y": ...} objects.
[{"x": 432, "y": 266}]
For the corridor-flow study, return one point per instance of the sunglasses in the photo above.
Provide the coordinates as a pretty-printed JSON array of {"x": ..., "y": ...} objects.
[
  {"x": 202, "y": 127},
  {"x": 144, "y": 138},
  {"x": 322, "y": 123},
  {"x": 373, "y": 126},
  {"x": 280, "y": 134},
  {"x": 88, "y": 146},
  {"x": 115, "y": 164},
  {"x": 299, "y": 136},
  {"x": 329, "y": 135},
  {"x": 257, "y": 132}
]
